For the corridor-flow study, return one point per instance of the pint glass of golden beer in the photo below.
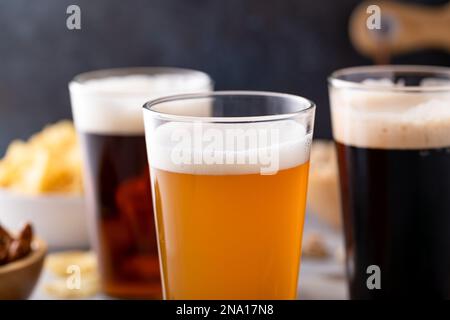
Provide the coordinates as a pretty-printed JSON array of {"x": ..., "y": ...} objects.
[{"x": 229, "y": 174}]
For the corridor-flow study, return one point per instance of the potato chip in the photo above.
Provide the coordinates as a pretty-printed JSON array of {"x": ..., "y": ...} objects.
[
  {"x": 314, "y": 246},
  {"x": 58, "y": 263},
  {"x": 63, "y": 288},
  {"x": 49, "y": 162}
]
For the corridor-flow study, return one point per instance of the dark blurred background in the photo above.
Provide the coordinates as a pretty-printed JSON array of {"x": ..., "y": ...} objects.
[{"x": 278, "y": 45}]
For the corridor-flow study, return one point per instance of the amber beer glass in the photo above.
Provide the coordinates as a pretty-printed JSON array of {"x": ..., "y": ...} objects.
[
  {"x": 392, "y": 130},
  {"x": 229, "y": 182},
  {"x": 107, "y": 109}
]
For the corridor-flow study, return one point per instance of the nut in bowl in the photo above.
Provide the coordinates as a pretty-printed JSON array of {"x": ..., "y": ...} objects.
[
  {"x": 21, "y": 261},
  {"x": 40, "y": 181}
]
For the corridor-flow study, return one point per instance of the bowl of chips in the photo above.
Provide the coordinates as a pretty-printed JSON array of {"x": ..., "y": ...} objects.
[{"x": 41, "y": 182}]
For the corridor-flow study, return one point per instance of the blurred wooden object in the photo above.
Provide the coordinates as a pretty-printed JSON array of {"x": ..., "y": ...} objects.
[{"x": 404, "y": 28}]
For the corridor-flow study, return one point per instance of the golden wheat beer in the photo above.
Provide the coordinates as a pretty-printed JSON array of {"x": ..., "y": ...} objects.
[{"x": 230, "y": 216}]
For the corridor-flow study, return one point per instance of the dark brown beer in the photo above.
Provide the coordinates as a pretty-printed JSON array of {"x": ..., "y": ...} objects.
[
  {"x": 107, "y": 111},
  {"x": 391, "y": 125},
  {"x": 396, "y": 210},
  {"x": 120, "y": 204}
]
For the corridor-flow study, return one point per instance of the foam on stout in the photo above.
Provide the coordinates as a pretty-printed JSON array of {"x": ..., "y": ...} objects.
[{"x": 391, "y": 120}]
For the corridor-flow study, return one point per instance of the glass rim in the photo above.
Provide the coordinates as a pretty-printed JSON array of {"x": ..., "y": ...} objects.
[
  {"x": 336, "y": 81},
  {"x": 83, "y": 77},
  {"x": 148, "y": 106}
]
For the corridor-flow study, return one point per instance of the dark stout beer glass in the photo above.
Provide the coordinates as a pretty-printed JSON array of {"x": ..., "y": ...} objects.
[
  {"x": 391, "y": 125},
  {"x": 107, "y": 110}
]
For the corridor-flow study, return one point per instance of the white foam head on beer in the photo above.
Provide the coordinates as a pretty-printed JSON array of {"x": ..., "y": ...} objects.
[
  {"x": 390, "y": 119},
  {"x": 113, "y": 105},
  {"x": 213, "y": 149}
]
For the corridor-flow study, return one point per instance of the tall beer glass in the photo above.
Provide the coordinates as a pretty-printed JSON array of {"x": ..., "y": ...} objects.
[
  {"x": 229, "y": 185},
  {"x": 392, "y": 130},
  {"x": 107, "y": 109}
]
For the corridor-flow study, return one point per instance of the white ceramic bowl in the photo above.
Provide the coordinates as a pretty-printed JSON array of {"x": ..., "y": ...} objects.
[{"x": 59, "y": 220}]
